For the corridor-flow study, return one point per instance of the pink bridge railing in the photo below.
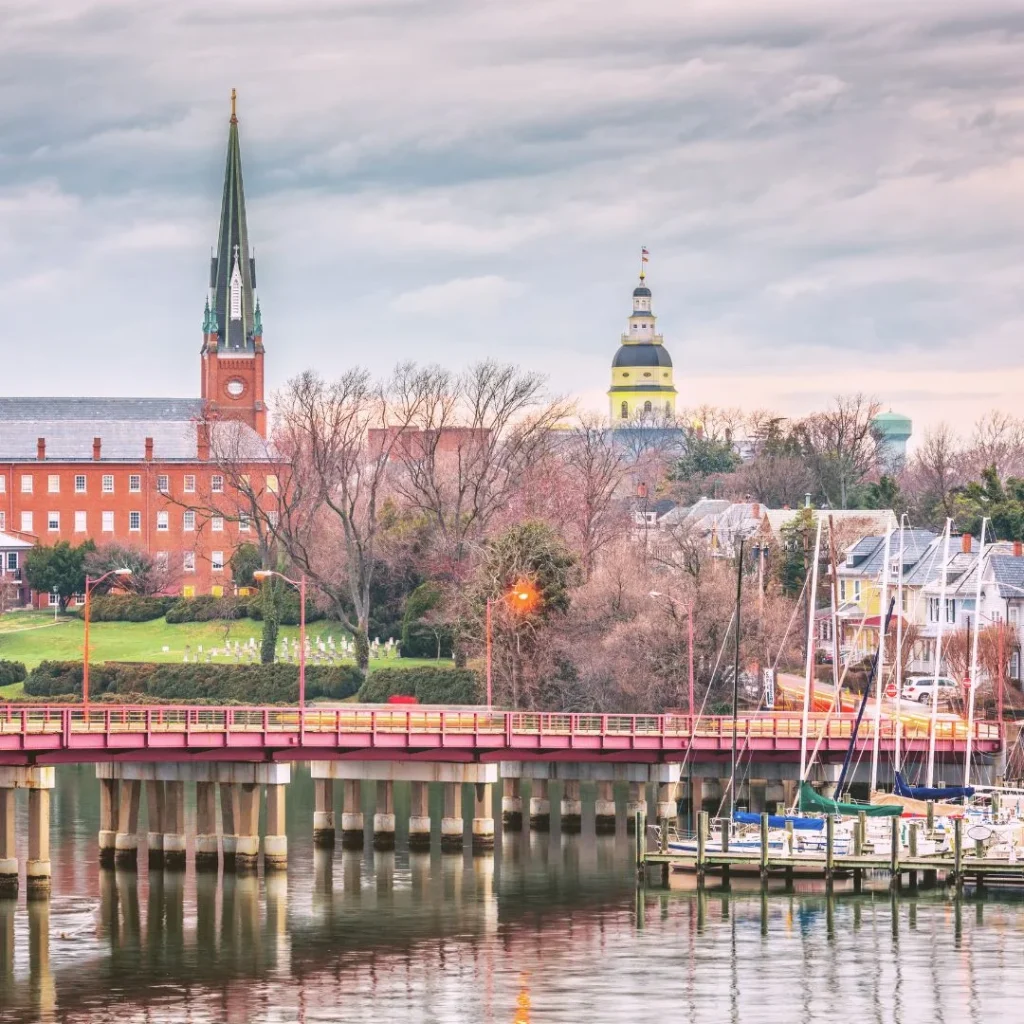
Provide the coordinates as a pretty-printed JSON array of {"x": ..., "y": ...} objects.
[{"x": 68, "y": 725}]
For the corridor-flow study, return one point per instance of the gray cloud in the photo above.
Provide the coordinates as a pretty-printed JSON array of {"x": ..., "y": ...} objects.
[{"x": 820, "y": 184}]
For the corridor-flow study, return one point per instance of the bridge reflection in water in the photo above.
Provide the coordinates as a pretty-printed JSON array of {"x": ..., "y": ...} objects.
[{"x": 548, "y": 927}]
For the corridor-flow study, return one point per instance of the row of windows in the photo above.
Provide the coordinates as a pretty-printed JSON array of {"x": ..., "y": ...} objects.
[
  {"x": 160, "y": 558},
  {"x": 624, "y": 409},
  {"x": 163, "y": 522},
  {"x": 163, "y": 483}
]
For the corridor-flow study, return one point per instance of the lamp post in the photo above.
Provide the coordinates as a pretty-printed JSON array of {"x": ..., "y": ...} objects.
[
  {"x": 89, "y": 585},
  {"x": 525, "y": 594},
  {"x": 689, "y": 623},
  {"x": 300, "y": 585}
]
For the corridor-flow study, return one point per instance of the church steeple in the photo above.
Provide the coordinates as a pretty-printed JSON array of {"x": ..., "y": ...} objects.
[
  {"x": 232, "y": 268},
  {"x": 232, "y": 355}
]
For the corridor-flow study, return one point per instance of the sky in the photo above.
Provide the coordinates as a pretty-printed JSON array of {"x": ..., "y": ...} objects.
[{"x": 832, "y": 194}]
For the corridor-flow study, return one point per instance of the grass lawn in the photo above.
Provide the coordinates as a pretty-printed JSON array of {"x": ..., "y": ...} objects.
[{"x": 32, "y": 637}]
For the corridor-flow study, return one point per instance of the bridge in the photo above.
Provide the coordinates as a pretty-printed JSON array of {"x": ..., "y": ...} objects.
[{"x": 233, "y": 754}]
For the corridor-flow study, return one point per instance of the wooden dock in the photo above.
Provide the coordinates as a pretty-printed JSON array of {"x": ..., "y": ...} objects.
[{"x": 963, "y": 863}]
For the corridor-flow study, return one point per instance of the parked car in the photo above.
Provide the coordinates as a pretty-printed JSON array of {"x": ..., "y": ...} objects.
[{"x": 919, "y": 688}]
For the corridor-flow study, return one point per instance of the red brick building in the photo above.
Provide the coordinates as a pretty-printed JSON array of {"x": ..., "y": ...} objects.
[{"x": 125, "y": 470}]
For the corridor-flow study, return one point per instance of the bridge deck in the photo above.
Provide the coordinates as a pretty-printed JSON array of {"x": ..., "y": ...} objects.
[{"x": 48, "y": 734}]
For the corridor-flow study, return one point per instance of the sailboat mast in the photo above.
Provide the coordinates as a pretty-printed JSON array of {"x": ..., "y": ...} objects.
[
  {"x": 879, "y": 680},
  {"x": 938, "y": 654},
  {"x": 974, "y": 655},
  {"x": 899, "y": 647},
  {"x": 736, "y": 682},
  {"x": 809, "y": 668}
]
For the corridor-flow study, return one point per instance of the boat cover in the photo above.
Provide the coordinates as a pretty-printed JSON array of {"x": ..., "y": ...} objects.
[
  {"x": 781, "y": 821},
  {"x": 811, "y": 801},
  {"x": 930, "y": 792}
]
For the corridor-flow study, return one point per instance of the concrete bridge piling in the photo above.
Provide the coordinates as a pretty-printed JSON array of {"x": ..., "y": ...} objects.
[{"x": 38, "y": 781}]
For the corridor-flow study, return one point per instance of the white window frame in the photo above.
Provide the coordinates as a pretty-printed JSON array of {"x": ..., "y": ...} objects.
[
  {"x": 217, "y": 524},
  {"x": 107, "y": 522},
  {"x": 933, "y": 609},
  {"x": 53, "y": 522},
  {"x": 3, "y": 521},
  {"x": 217, "y": 561},
  {"x": 81, "y": 483},
  {"x": 134, "y": 516},
  {"x": 188, "y": 521},
  {"x": 163, "y": 521},
  {"x": 217, "y": 483},
  {"x": 3, "y": 483},
  {"x": 272, "y": 483},
  {"x": 26, "y": 522},
  {"x": 244, "y": 522},
  {"x": 163, "y": 483},
  {"x": 53, "y": 483},
  {"x": 11, "y": 562},
  {"x": 189, "y": 483},
  {"x": 52, "y": 599},
  {"x": 26, "y": 483},
  {"x": 107, "y": 483},
  {"x": 160, "y": 560},
  {"x": 950, "y": 609},
  {"x": 134, "y": 483},
  {"x": 188, "y": 561},
  {"x": 81, "y": 521}
]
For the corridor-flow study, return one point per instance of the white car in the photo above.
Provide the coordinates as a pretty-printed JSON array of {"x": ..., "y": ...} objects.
[{"x": 919, "y": 688}]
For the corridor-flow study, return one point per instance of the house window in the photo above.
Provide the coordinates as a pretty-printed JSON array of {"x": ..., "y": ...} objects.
[
  {"x": 188, "y": 520},
  {"x": 1015, "y": 665},
  {"x": 162, "y": 483},
  {"x": 624, "y": 410},
  {"x": 217, "y": 561},
  {"x": 950, "y": 609},
  {"x": 3, "y": 521},
  {"x": 52, "y": 599},
  {"x": 107, "y": 523},
  {"x": 53, "y": 522},
  {"x": 903, "y": 602},
  {"x": 842, "y": 590},
  {"x": 933, "y": 609},
  {"x": 190, "y": 483},
  {"x": 217, "y": 524},
  {"x": 243, "y": 522},
  {"x": 134, "y": 521},
  {"x": 1013, "y": 615},
  {"x": 53, "y": 483},
  {"x": 26, "y": 522},
  {"x": 163, "y": 521},
  {"x": 135, "y": 483},
  {"x": 12, "y": 561},
  {"x": 26, "y": 484},
  {"x": 856, "y": 590},
  {"x": 647, "y": 405},
  {"x": 217, "y": 483},
  {"x": 3, "y": 483},
  {"x": 79, "y": 483},
  {"x": 160, "y": 560},
  {"x": 272, "y": 483},
  {"x": 108, "y": 483},
  {"x": 188, "y": 562},
  {"x": 80, "y": 522},
  {"x": 272, "y": 518}
]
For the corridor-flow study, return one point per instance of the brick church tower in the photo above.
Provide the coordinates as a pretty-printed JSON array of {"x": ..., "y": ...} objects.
[{"x": 232, "y": 353}]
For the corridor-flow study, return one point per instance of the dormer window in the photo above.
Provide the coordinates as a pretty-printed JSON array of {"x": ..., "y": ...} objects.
[{"x": 236, "y": 290}]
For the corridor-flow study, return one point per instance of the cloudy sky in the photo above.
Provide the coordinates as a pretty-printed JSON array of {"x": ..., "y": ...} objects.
[{"x": 832, "y": 193}]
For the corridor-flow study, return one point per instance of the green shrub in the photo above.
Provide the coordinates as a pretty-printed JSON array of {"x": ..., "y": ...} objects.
[
  {"x": 429, "y": 685},
  {"x": 126, "y": 608},
  {"x": 422, "y": 641},
  {"x": 248, "y": 684},
  {"x": 204, "y": 609},
  {"x": 289, "y": 614},
  {"x": 11, "y": 672}
]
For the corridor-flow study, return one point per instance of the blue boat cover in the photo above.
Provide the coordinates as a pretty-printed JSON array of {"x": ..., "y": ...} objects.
[
  {"x": 930, "y": 792},
  {"x": 780, "y": 821}
]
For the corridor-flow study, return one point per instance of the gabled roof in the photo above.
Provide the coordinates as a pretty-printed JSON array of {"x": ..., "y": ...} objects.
[
  {"x": 106, "y": 409},
  {"x": 8, "y": 542},
  {"x": 1008, "y": 572}
]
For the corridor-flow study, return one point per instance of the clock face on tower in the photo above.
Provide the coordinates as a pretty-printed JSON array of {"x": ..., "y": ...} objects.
[{"x": 235, "y": 387}]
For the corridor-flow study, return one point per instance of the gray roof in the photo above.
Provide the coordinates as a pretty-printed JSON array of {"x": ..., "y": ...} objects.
[
  {"x": 122, "y": 424},
  {"x": 1009, "y": 574}
]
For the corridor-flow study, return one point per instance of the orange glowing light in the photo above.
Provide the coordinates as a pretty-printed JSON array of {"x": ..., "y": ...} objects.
[{"x": 524, "y": 596}]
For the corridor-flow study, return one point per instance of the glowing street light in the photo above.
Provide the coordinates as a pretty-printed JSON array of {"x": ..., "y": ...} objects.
[
  {"x": 522, "y": 598},
  {"x": 300, "y": 585},
  {"x": 89, "y": 585}
]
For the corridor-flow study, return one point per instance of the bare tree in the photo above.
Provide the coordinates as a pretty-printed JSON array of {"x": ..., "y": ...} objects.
[
  {"x": 842, "y": 445},
  {"x": 998, "y": 440}
]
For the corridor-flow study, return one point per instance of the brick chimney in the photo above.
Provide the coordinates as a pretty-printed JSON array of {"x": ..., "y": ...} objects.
[
  {"x": 203, "y": 441},
  {"x": 97, "y": 444},
  {"x": 149, "y": 449},
  {"x": 1018, "y": 549},
  {"x": 965, "y": 543},
  {"x": 40, "y": 448}
]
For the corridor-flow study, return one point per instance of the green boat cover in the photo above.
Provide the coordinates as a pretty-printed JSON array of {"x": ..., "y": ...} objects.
[{"x": 816, "y": 804}]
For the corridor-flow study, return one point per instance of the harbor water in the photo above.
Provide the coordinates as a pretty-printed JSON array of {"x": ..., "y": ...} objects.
[{"x": 550, "y": 928}]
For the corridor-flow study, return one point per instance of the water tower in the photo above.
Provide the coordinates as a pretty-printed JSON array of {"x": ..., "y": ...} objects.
[{"x": 895, "y": 430}]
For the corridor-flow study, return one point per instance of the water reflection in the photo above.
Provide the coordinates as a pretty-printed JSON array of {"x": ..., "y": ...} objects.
[{"x": 549, "y": 927}]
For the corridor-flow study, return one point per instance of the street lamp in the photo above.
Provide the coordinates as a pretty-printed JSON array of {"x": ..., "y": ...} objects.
[
  {"x": 300, "y": 585},
  {"x": 689, "y": 617},
  {"x": 521, "y": 598},
  {"x": 89, "y": 585}
]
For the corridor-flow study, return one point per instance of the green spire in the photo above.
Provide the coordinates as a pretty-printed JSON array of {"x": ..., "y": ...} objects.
[
  {"x": 232, "y": 270},
  {"x": 257, "y": 329},
  {"x": 209, "y": 319}
]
